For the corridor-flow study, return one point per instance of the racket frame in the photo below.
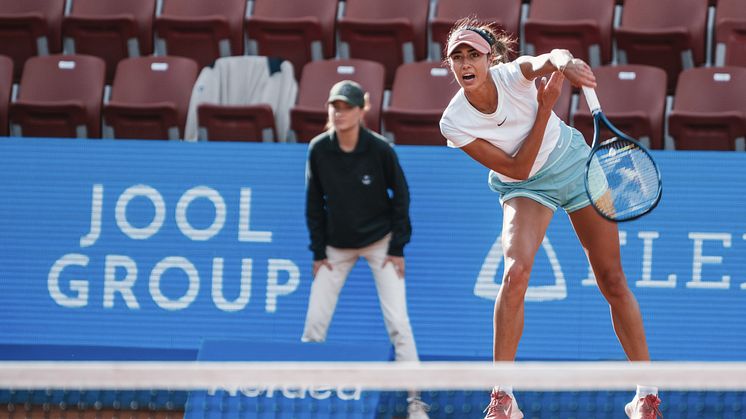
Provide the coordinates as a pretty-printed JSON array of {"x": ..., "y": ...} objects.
[{"x": 599, "y": 118}]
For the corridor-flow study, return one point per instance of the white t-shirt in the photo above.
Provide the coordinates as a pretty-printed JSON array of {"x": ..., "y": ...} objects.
[{"x": 509, "y": 125}]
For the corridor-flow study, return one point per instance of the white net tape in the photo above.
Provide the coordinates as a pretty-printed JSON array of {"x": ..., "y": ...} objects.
[{"x": 540, "y": 376}]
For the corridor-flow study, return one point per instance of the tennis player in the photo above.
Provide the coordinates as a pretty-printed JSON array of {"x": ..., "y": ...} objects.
[{"x": 537, "y": 163}]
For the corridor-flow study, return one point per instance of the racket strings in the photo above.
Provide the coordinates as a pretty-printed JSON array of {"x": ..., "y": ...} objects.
[{"x": 623, "y": 180}]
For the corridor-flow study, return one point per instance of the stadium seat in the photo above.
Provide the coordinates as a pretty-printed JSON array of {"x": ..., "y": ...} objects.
[
  {"x": 709, "y": 109},
  {"x": 583, "y": 27},
  {"x": 6, "y": 87},
  {"x": 59, "y": 96},
  {"x": 203, "y": 30},
  {"x": 237, "y": 123},
  {"x": 633, "y": 97},
  {"x": 29, "y": 28},
  {"x": 505, "y": 14},
  {"x": 298, "y": 31},
  {"x": 391, "y": 32},
  {"x": 246, "y": 98},
  {"x": 730, "y": 33},
  {"x": 109, "y": 29},
  {"x": 669, "y": 34},
  {"x": 150, "y": 98},
  {"x": 420, "y": 94},
  {"x": 308, "y": 117}
]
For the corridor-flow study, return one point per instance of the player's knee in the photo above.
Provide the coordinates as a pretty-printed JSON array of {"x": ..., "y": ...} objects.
[
  {"x": 516, "y": 278},
  {"x": 613, "y": 284}
]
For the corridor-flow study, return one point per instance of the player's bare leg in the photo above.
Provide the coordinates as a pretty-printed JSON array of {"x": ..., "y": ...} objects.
[
  {"x": 600, "y": 240},
  {"x": 525, "y": 222}
]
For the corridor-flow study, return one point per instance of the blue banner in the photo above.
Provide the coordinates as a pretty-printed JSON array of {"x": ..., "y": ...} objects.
[{"x": 164, "y": 244}]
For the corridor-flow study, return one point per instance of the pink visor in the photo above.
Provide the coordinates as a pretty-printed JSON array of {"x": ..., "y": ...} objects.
[{"x": 470, "y": 38}]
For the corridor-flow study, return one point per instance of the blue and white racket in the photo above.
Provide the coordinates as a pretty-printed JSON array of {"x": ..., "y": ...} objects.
[{"x": 621, "y": 178}]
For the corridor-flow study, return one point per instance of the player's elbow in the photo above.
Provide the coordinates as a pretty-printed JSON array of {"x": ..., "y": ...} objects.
[{"x": 521, "y": 171}]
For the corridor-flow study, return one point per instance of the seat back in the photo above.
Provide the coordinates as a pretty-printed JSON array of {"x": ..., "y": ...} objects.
[
  {"x": 29, "y": 28},
  {"x": 730, "y": 33},
  {"x": 296, "y": 31},
  {"x": 203, "y": 30},
  {"x": 633, "y": 97},
  {"x": 669, "y": 34},
  {"x": 309, "y": 116},
  {"x": 505, "y": 14},
  {"x": 252, "y": 123},
  {"x": 6, "y": 87},
  {"x": 150, "y": 97},
  {"x": 583, "y": 27},
  {"x": 391, "y": 32},
  {"x": 110, "y": 29},
  {"x": 709, "y": 109},
  {"x": 420, "y": 93},
  {"x": 59, "y": 96}
]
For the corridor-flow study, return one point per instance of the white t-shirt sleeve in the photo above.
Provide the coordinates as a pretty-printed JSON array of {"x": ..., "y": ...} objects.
[
  {"x": 514, "y": 76},
  {"x": 455, "y": 137}
]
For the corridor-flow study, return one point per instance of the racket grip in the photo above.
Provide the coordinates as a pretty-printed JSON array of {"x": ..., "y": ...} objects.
[{"x": 591, "y": 98}]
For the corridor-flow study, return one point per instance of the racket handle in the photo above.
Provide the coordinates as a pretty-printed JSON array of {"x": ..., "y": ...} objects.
[{"x": 592, "y": 99}]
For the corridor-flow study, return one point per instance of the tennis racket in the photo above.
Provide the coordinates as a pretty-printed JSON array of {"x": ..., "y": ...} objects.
[{"x": 622, "y": 180}]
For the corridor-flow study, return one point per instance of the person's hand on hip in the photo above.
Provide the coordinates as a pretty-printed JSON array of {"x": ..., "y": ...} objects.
[
  {"x": 398, "y": 262},
  {"x": 317, "y": 264}
]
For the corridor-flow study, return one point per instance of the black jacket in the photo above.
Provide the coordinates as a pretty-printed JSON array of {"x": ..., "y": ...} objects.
[{"x": 347, "y": 195}]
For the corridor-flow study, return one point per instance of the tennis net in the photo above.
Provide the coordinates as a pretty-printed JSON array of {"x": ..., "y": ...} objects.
[{"x": 207, "y": 390}]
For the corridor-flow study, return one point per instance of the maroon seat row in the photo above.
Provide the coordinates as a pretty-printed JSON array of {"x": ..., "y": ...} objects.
[
  {"x": 63, "y": 96},
  {"x": 670, "y": 34}
]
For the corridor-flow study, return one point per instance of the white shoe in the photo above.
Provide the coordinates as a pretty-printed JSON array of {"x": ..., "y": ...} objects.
[
  {"x": 417, "y": 409},
  {"x": 643, "y": 407},
  {"x": 502, "y": 406}
]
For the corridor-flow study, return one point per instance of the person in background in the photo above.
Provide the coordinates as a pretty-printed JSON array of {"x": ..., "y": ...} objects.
[
  {"x": 350, "y": 214},
  {"x": 537, "y": 163}
]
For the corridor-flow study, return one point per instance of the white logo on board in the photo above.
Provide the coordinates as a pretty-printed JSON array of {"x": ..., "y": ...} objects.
[{"x": 488, "y": 287}]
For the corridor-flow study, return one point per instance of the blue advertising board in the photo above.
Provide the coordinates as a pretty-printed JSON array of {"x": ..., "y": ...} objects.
[
  {"x": 163, "y": 244},
  {"x": 328, "y": 402}
]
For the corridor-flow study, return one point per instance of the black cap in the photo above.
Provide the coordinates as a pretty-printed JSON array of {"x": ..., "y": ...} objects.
[{"x": 347, "y": 91}]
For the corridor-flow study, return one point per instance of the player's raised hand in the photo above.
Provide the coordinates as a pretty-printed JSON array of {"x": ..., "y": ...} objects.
[
  {"x": 579, "y": 73},
  {"x": 549, "y": 91}
]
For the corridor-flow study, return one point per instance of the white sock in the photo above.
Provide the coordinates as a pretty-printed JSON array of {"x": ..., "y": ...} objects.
[
  {"x": 505, "y": 389},
  {"x": 643, "y": 391}
]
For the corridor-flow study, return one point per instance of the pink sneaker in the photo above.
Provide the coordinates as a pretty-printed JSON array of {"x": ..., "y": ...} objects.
[
  {"x": 502, "y": 406},
  {"x": 644, "y": 407}
]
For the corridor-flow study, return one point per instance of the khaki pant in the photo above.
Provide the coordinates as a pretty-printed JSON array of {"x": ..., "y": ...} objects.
[{"x": 391, "y": 293}]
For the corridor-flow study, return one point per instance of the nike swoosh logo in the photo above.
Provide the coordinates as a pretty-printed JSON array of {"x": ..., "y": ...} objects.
[{"x": 501, "y": 123}]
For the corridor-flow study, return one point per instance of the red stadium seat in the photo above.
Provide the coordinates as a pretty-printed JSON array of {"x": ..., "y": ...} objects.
[
  {"x": 420, "y": 94},
  {"x": 308, "y": 117},
  {"x": 391, "y": 32},
  {"x": 669, "y": 34},
  {"x": 581, "y": 26},
  {"x": 505, "y": 14},
  {"x": 730, "y": 33},
  {"x": 298, "y": 31},
  {"x": 203, "y": 30},
  {"x": 633, "y": 97},
  {"x": 237, "y": 123},
  {"x": 29, "y": 28},
  {"x": 59, "y": 96},
  {"x": 150, "y": 98},
  {"x": 109, "y": 29},
  {"x": 6, "y": 87},
  {"x": 709, "y": 109}
]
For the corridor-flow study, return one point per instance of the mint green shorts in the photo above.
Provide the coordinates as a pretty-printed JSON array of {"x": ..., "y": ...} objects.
[{"x": 560, "y": 183}]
